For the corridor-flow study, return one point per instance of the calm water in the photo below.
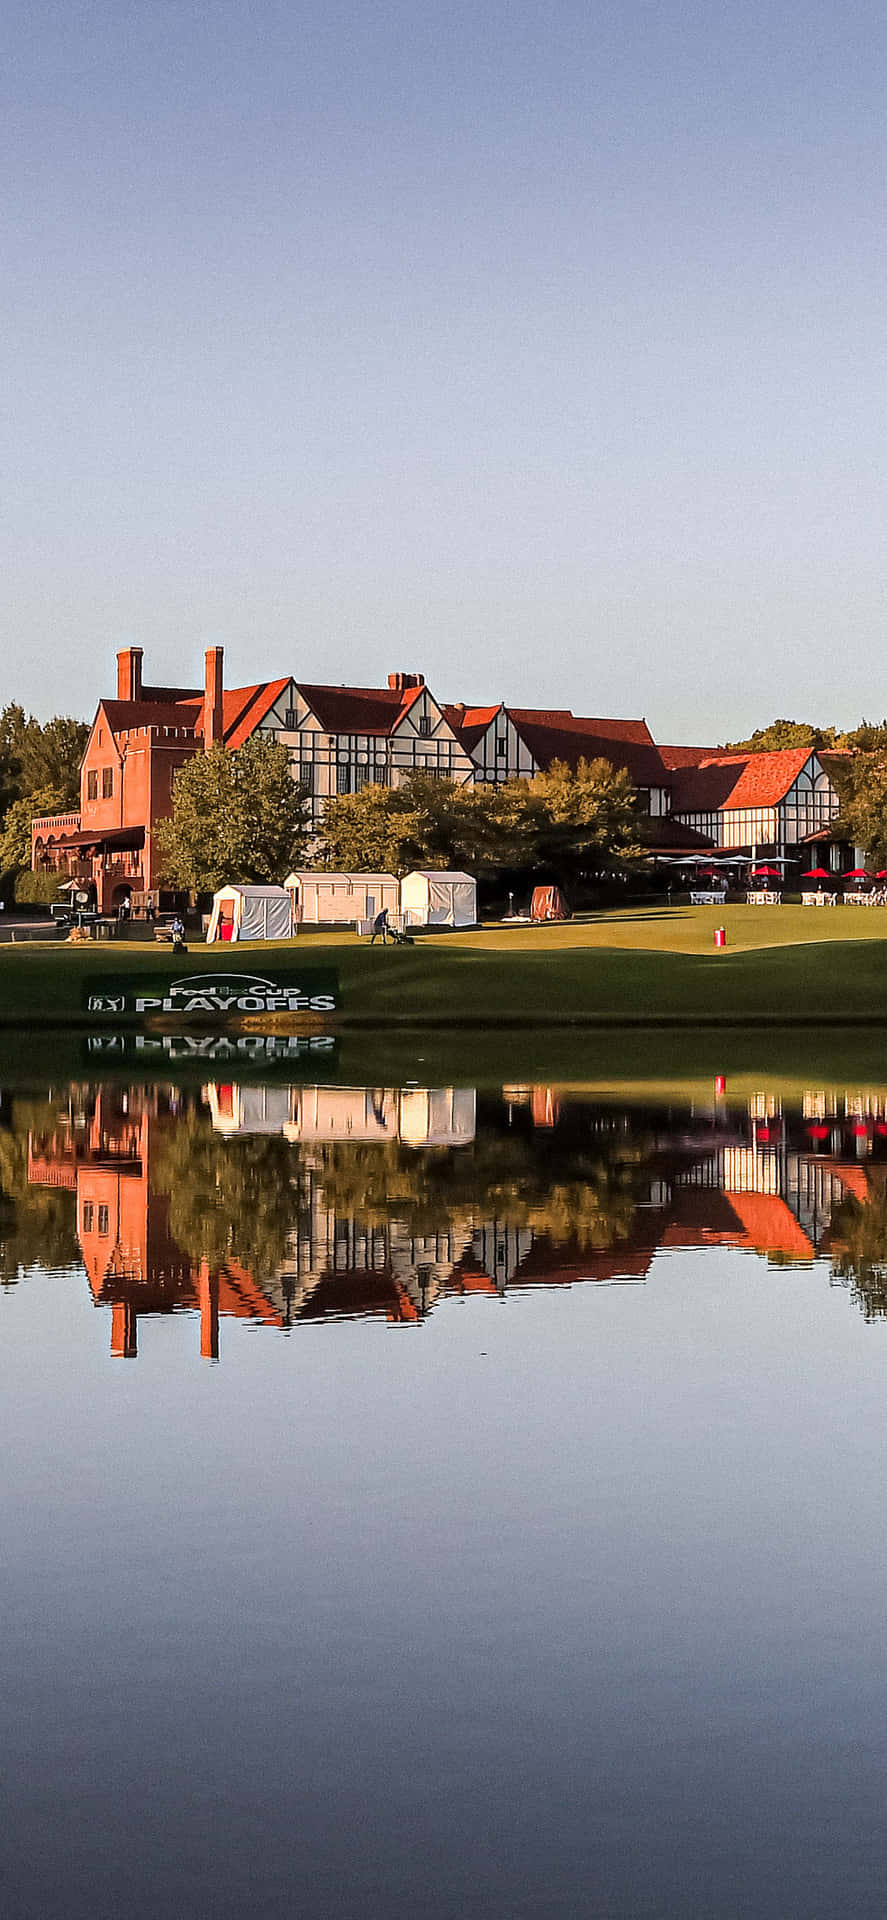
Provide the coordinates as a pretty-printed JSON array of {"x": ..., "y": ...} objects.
[{"x": 432, "y": 1502}]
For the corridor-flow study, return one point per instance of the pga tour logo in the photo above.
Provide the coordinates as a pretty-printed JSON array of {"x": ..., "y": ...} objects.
[{"x": 218, "y": 993}]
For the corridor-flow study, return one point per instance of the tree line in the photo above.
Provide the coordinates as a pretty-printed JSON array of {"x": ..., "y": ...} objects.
[
  {"x": 241, "y": 816},
  {"x": 39, "y": 773}
]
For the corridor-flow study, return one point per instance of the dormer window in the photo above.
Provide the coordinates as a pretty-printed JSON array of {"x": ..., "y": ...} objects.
[
  {"x": 425, "y": 725},
  {"x": 501, "y": 745},
  {"x": 290, "y": 720}
]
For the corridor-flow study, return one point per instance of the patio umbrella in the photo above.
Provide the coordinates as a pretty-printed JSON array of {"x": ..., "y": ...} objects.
[
  {"x": 766, "y": 873},
  {"x": 858, "y": 873},
  {"x": 816, "y": 873}
]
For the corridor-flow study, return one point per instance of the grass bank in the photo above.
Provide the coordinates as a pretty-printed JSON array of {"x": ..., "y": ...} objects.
[{"x": 782, "y": 966}]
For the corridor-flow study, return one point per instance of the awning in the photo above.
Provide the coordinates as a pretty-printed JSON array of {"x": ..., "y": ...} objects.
[{"x": 114, "y": 839}]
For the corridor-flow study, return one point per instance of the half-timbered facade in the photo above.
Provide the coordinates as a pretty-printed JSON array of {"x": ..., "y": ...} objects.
[
  {"x": 341, "y": 739},
  {"x": 756, "y": 800}
]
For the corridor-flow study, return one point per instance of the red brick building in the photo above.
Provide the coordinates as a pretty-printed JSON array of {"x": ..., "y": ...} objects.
[{"x": 136, "y": 746}]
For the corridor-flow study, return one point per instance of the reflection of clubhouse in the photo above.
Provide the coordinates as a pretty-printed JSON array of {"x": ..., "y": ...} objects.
[{"x": 740, "y": 1184}]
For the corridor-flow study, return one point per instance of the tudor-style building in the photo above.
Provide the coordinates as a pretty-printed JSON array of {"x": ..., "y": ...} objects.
[
  {"x": 754, "y": 801},
  {"x": 341, "y": 739}
]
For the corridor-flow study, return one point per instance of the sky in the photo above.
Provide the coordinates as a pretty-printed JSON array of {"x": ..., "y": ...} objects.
[{"x": 536, "y": 347}]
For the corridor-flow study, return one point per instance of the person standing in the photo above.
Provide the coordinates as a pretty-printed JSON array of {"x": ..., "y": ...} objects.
[{"x": 380, "y": 927}]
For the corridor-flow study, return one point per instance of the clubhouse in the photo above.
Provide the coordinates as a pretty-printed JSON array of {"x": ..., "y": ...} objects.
[{"x": 340, "y": 739}]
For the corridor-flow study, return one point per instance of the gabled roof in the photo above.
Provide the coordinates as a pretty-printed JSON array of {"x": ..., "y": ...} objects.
[
  {"x": 553, "y": 734},
  {"x": 359, "y": 709},
  {"x": 470, "y": 723},
  {"x": 244, "y": 708},
  {"x": 739, "y": 780}
]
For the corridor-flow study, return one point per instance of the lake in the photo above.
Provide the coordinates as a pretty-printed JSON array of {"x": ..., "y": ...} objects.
[{"x": 442, "y": 1499}]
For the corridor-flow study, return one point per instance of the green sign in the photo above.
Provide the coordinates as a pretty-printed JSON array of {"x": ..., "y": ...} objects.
[{"x": 281, "y": 989}]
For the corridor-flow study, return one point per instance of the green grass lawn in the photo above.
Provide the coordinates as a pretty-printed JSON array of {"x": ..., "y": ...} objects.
[{"x": 781, "y": 963}]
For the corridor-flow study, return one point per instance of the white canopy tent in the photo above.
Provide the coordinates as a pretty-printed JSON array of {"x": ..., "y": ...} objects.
[
  {"x": 432, "y": 899},
  {"x": 250, "y": 913},
  {"x": 340, "y": 899}
]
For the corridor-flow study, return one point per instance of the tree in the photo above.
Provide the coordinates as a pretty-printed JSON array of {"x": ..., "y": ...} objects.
[
  {"x": 34, "y": 757},
  {"x": 15, "y": 832},
  {"x": 563, "y": 819},
  {"x": 588, "y": 818},
  {"x": 367, "y": 832},
  {"x": 862, "y": 788},
  {"x": 236, "y": 816},
  {"x": 783, "y": 733}
]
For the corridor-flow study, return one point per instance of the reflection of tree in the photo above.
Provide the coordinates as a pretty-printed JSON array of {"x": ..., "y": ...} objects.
[
  {"x": 859, "y": 1250},
  {"x": 239, "y": 1199},
  {"x": 37, "y": 1224},
  {"x": 229, "y": 1200},
  {"x": 521, "y": 1181}
]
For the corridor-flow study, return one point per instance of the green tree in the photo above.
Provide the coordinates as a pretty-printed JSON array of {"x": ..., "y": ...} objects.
[
  {"x": 588, "y": 818},
  {"x": 861, "y": 782},
  {"x": 367, "y": 832},
  {"x": 783, "y": 733},
  {"x": 236, "y": 816},
  {"x": 868, "y": 737},
  {"x": 34, "y": 757},
  {"x": 563, "y": 819},
  {"x": 15, "y": 832}
]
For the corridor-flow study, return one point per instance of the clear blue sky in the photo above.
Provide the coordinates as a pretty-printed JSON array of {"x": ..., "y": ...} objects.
[{"x": 538, "y": 346}]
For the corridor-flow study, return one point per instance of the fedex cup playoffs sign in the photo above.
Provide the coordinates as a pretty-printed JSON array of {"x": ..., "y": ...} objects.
[{"x": 287, "y": 990}]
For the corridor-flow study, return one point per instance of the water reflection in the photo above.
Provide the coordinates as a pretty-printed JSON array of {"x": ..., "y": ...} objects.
[{"x": 279, "y": 1204}]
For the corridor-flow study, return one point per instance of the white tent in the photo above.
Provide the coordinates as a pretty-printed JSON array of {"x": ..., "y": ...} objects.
[
  {"x": 430, "y": 899},
  {"x": 340, "y": 899},
  {"x": 251, "y": 913}
]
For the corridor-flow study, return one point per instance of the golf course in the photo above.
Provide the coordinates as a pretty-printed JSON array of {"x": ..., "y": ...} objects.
[{"x": 781, "y": 966}]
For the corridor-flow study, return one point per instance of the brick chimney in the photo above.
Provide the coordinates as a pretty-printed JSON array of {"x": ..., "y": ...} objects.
[
  {"x": 212, "y": 712},
  {"x": 403, "y": 682},
  {"x": 129, "y": 674}
]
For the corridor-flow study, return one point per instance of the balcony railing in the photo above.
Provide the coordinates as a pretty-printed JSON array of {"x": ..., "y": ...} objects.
[{"x": 54, "y": 824}]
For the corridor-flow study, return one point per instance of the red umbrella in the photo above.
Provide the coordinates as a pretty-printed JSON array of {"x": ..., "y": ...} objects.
[
  {"x": 882, "y": 875},
  {"x": 857, "y": 873},
  {"x": 816, "y": 873},
  {"x": 766, "y": 873}
]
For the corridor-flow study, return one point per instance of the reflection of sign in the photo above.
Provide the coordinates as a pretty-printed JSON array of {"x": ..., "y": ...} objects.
[
  {"x": 247, "y": 1048},
  {"x": 289, "y": 990}
]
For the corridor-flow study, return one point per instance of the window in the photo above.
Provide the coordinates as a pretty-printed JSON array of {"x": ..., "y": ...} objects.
[
  {"x": 291, "y": 719},
  {"x": 501, "y": 745},
  {"x": 425, "y": 725},
  {"x": 87, "y": 1216},
  {"x": 103, "y": 1220},
  {"x": 306, "y": 775},
  {"x": 107, "y": 782},
  {"x": 92, "y": 785},
  {"x": 343, "y": 777}
]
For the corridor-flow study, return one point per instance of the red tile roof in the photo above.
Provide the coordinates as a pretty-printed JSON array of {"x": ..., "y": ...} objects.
[
  {"x": 359, "y": 709},
  {"x": 244, "y": 707},
  {"x": 556, "y": 735},
  {"x": 242, "y": 710},
  {"x": 728, "y": 781},
  {"x": 686, "y": 756},
  {"x": 469, "y": 724}
]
